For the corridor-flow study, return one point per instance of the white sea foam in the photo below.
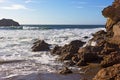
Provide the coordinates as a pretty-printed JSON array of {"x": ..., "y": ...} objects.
[{"x": 16, "y": 45}]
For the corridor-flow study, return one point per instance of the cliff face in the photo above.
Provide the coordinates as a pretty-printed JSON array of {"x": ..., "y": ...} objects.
[
  {"x": 111, "y": 61},
  {"x": 112, "y": 13},
  {"x": 8, "y": 22}
]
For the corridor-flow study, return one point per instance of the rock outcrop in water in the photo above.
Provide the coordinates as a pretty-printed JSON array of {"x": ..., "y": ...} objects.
[
  {"x": 8, "y": 22},
  {"x": 40, "y": 45},
  {"x": 68, "y": 51}
]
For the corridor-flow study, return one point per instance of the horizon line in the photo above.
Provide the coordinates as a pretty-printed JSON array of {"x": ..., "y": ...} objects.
[{"x": 62, "y": 24}]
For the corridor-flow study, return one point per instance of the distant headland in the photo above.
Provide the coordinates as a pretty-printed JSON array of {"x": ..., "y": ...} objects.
[{"x": 8, "y": 22}]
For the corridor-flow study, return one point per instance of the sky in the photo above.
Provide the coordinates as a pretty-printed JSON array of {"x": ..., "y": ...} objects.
[{"x": 54, "y": 11}]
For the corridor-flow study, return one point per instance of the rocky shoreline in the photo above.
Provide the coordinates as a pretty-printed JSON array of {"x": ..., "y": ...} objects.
[{"x": 103, "y": 49}]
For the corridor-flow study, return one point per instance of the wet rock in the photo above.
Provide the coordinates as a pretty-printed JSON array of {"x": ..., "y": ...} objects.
[
  {"x": 99, "y": 33},
  {"x": 66, "y": 56},
  {"x": 56, "y": 50},
  {"x": 40, "y": 45},
  {"x": 68, "y": 51},
  {"x": 8, "y": 22},
  {"x": 99, "y": 38},
  {"x": 109, "y": 73},
  {"x": 111, "y": 59},
  {"x": 65, "y": 70},
  {"x": 72, "y": 48}
]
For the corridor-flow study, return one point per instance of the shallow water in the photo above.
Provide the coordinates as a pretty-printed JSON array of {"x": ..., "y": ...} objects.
[{"x": 16, "y": 57}]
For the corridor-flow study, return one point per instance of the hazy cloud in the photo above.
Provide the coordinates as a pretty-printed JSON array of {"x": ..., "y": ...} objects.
[
  {"x": 100, "y": 6},
  {"x": 14, "y": 7},
  {"x": 82, "y": 2},
  {"x": 28, "y": 1},
  {"x": 1, "y": 1},
  {"x": 79, "y": 2},
  {"x": 80, "y": 7}
]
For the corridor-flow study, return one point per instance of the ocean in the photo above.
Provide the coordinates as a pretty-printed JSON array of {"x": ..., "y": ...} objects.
[{"x": 17, "y": 58}]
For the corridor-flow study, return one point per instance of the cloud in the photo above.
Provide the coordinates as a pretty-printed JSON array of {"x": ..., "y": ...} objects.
[
  {"x": 79, "y": 2},
  {"x": 80, "y": 7},
  {"x": 28, "y": 1},
  {"x": 82, "y": 2},
  {"x": 100, "y": 6},
  {"x": 14, "y": 7},
  {"x": 1, "y": 1}
]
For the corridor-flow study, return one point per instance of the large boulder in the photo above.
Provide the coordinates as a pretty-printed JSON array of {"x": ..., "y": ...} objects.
[
  {"x": 110, "y": 73},
  {"x": 73, "y": 47},
  {"x": 88, "y": 54},
  {"x": 68, "y": 51},
  {"x": 40, "y": 45},
  {"x": 8, "y": 22}
]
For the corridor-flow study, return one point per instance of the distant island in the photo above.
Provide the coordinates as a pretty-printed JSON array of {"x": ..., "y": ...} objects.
[{"x": 8, "y": 22}]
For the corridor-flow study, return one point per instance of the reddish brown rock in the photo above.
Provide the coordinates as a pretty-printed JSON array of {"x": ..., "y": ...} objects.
[
  {"x": 40, "y": 45},
  {"x": 110, "y": 73},
  {"x": 113, "y": 14},
  {"x": 111, "y": 59},
  {"x": 87, "y": 54},
  {"x": 109, "y": 48},
  {"x": 116, "y": 29}
]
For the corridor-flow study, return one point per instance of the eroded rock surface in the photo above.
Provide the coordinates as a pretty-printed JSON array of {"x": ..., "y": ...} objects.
[{"x": 109, "y": 73}]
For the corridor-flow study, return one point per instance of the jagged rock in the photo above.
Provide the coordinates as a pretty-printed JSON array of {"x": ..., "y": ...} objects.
[
  {"x": 70, "y": 48},
  {"x": 65, "y": 70},
  {"x": 111, "y": 59},
  {"x": 109, "y": 47},
  {"x": 113, "y": 14},
  {"x": 66, "y": 56},
  {"x": 56, "y": 50},
  {"x": 8, "y": 22},
  {"x": 68, "y": 51},
  {"x": 110, "y": 73},
  {"x": 40, "y": 45},
  {"x": 99, "y": 38},
  {"x": 100, "y": 33}
]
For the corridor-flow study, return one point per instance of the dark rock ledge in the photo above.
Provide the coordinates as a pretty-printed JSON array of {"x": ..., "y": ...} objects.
[{"x": 8, "y": 22}]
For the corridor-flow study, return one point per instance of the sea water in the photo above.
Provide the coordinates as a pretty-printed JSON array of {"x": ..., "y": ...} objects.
[{"x": 16, "y": 56}]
